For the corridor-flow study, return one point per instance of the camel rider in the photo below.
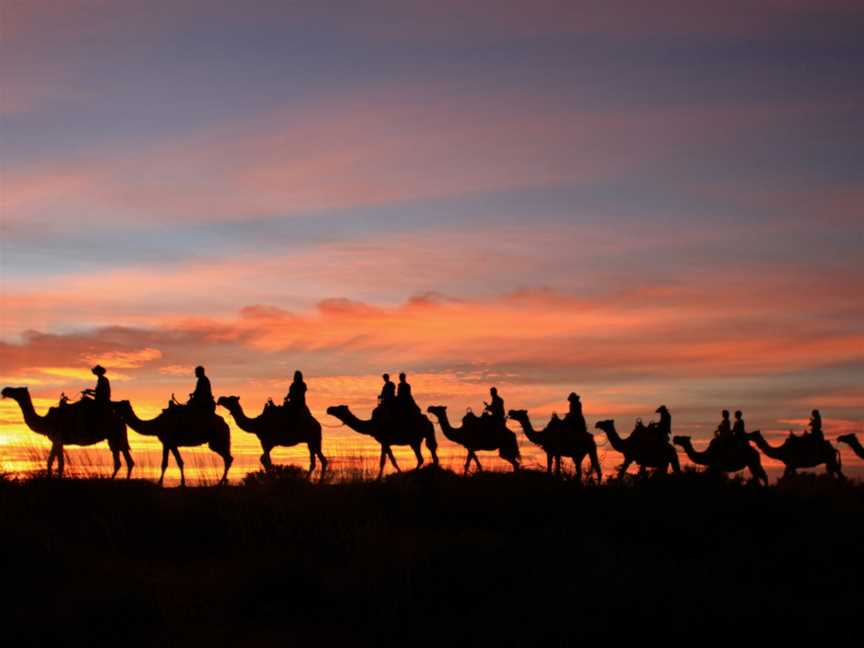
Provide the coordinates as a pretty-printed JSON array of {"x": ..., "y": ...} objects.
[
  {"x": 404, "y": 398},
  {"x": 99, "y": 405},
  {"x": 724, "y": 430},
  {"x": 738, "y": 431},
  {"x": 386, "y": 398},
  {"x": 816, "y": 426},
  {"x": 574, "y": 416},
  {"x": 102, "y": 393},
  {"x": 295, "y": 400},
  {"x": 664, "y": 427},
  {"x": 202, "y": 397},
  {"x": 494, "y": 411}
]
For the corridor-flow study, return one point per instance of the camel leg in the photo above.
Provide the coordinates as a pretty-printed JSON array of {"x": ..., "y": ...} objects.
[
  {"x": 115, "y": 454},
  {"x": 228, "y": 460},
  {"x": 382, "y": 461},
  {"x": 179, "y": 460},
  {"x": 311, "y": 461},
  {"x": 467, "y": 462},
  {"x": 557, "y": 465},
  {"x": 595, "y": 463},
  {"x": 129, "y": 463},
  {"x": 623, "y": 469},
  {"x": 61, "y": 461},
  {"x": 548, "y": 463},
  {"x": 323, "y": 461},
  {"x": 758, "y": 473},
  {"x": 676, "y": 467},
  {"x": 577, "y": 464},
  {"x": 514, "y": 461},
  {"x": 51, "y": 455},
  {"x": 164, "y": 463},
  {"x": 434, "y": 452},
  {"x": 265, "y": 459},
  {"x": 393, "y": 459},
  {"x": 418, "y": 454},
  {"x": 477, "y": 461}
]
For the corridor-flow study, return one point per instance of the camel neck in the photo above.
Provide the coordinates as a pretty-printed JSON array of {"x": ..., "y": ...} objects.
[
  {"x": 31, "y": 418},
  {"x": 528, "y": 429},
  {"x": 358, "y": 424},
  {"x": 243, "y": 422},
  {"x": 147, "y": 428}
]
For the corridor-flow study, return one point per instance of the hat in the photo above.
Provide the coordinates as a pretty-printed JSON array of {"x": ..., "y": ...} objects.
[
  {"x": 662, "y": 408},
  {"x": 573, "y": 396},
  {"x": 99, "y": 370}
]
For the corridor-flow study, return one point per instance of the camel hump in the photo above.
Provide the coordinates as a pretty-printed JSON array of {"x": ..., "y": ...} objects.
[{"x": 470, "y": 418}]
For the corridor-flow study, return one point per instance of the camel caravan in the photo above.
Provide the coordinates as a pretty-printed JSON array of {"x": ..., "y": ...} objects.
[{"x": 397, "y": 420}]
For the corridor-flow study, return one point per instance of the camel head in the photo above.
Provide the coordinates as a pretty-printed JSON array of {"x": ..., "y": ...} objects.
[
  {"x": 339, "y": 411},
  {"x": 518, "y": 415},
  {"x": 437, "y": 410},
  {"x": 605, "y": 425},
  {"x": 680, "y": 440},
  {"x": 843, "y": 438},
  {"x": 15, "y": 393},
  {"x": 229, "y": 402}
]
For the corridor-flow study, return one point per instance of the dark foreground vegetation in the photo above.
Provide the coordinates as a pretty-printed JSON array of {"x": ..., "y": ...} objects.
[{"x": 430, "y": 558}]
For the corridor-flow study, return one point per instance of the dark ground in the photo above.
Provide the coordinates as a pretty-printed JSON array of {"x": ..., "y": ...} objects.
[{"x": 428, "y": 558}]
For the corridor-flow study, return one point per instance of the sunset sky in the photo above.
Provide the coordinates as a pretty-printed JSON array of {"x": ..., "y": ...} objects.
[{"x": 643, "y": 202}]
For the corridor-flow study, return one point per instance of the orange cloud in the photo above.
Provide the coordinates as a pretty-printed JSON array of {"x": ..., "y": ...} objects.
[{"x": 125, "y": 359}]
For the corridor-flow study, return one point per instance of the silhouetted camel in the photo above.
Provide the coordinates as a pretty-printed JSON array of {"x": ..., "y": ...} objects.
[
  {"x": 278, "y": 430},
  {"x": 725, "y": 455},
  {"x": 852, "y": 441},
  {"x": 61, "y": 427},
  {"x": 182, "y": 429},
  {"x": 395, "y": 431},
  {"x": 479, "y": 437},
  {"x": 801, "y": 452},
  {"x": 646, "y": 452},
  {"x": 557, "y": 441}
]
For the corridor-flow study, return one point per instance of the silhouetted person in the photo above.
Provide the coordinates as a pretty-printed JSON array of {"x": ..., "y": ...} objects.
[
  {"x": 738, "y": 430},
  {"x": 295, "y": 399},
  {"x": 296, "y": 396},
  {"x": 102, "y": 393},
  {"x": 574, "y": 416},
  {"x": 97, "y": 410},
  {"x": 724, "y": 430},
  {"x": 494, "y": 411},
  {"x": 386, "y": 398},
  {"x": 202, "y": 397},
  {"x": 388, "y": 392},
  {"x": 404, "y": 397},
  {"x": 664, "y": 427},
  {"x": 816, "y": 426}
]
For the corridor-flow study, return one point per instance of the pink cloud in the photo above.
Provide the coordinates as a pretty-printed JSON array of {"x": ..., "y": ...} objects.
[{"x": 387, "y": 145}]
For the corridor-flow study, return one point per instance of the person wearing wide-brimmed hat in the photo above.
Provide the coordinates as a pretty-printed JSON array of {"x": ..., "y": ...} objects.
[
  {"x": 574, "y": 415},
  {"x": 95, "y": 411},
  {"x": 102, "y": 392}
]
